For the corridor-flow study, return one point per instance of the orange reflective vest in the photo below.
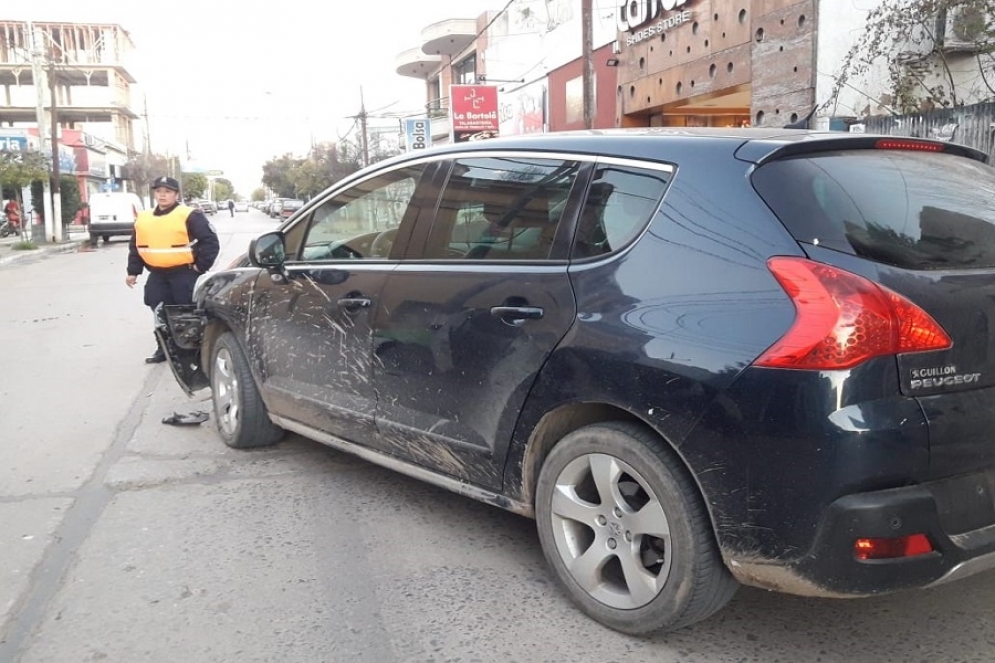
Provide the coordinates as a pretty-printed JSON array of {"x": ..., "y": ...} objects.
[{"x": 162, "y": 241}]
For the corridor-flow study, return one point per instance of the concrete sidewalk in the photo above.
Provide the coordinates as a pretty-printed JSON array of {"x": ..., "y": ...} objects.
[{"x": 75, "y": 238}]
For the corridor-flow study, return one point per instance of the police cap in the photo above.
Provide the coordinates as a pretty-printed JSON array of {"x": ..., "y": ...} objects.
[{"x": 167, "y": 182}]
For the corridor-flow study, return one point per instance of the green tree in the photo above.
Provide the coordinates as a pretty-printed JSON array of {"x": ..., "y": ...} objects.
[
  {"x": 278, "y": 175},
  {"x": 258, "y": 195},
  {"x": 193, "y": 184},
  {"x": 38, "y": 198},
  {"x": 907, "y": 39},
  {"x": 71, "y": 200},
  {"x": 19, "y": 169},
  {"x": 223, "y": 189},
  {"x": 326, "y": 164}
]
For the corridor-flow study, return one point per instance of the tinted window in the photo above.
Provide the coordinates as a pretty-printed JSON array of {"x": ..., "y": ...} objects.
[
  {"x": 914, "y": 210},
  {"x": 501, "y": 208},
  {"x": 360, "y": 223},
  {"x": 619, "y": 204}
]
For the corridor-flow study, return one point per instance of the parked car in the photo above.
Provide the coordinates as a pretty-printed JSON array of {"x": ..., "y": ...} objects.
[
  {"x": 113, "y": 214},
  {"x": 275, "y": 207},
  {"x": 209, "y": 206},
  {"x": 241, "y": 206},
  {"x": 288, "y": 207},
  {"x": 697, "y": 358}
]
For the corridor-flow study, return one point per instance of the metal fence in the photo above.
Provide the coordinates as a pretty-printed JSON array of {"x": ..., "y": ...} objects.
[{"x": 973, "y": 126}]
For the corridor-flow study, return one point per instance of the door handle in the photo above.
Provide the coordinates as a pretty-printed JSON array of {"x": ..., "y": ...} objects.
[
  {"x": 516, "y": 315},
  {"x": 354, "y": 303}
]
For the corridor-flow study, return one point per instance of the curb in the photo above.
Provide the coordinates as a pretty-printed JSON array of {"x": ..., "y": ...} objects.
[{"x": 45, "y": 249}]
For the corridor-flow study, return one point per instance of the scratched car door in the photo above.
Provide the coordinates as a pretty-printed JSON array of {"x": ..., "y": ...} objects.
[
  {"x": 466, "y": 321},
  {"x": 313, "y": 328}
]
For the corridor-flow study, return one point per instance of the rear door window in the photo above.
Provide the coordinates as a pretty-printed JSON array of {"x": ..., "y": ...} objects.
[
  {"x": 914, "y": 210},
  {"x": 620, "y": 202},
  {"x": 501, "y": 208}
]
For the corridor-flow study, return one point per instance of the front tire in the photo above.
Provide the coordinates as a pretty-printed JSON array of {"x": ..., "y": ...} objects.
[
  {"x": 239, "y": 410},
  {"x": 626, "y": 532}
]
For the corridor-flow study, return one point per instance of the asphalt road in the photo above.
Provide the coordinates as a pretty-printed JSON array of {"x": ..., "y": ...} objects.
[{"x": 123, "y": 539}]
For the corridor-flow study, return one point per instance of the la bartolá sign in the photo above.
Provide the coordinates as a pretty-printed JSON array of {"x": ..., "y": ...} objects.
[{"x": 637, "y": 17}]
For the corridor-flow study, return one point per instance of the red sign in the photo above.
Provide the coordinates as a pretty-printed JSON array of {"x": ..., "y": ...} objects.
[{"x": 474, "y": 111}]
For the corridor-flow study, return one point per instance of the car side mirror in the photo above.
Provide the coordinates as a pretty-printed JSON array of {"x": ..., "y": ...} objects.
[{"x": 268, "y": 250}]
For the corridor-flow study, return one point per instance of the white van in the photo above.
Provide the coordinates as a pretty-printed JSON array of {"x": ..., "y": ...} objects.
[{"x": 113, "y": 213}]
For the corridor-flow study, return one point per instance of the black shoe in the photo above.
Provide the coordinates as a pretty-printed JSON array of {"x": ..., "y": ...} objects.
[{"x": 157, "y": 357}]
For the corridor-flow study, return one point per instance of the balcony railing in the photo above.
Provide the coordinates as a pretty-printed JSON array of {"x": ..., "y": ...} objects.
[
  {"x": 67, "y": 43},
  {"x": 438, "y": 107}
]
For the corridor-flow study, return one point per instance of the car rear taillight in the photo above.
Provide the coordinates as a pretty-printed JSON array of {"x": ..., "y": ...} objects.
[
  {"x": 843, "y": 319},
  {"x": 892, "y": 548},
  {"x": 134, "y": 211}
]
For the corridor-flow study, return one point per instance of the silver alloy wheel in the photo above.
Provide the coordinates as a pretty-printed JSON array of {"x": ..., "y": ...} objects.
[
  {"x": 611, "y": 532},
  {"x": 224, "y": 384}
]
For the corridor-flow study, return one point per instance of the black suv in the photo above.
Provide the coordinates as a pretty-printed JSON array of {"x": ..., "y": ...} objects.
[{"x": 696, "y": 358}]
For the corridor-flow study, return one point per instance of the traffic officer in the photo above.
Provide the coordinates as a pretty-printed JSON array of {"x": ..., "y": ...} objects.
[{"x": 176, "y": 244}]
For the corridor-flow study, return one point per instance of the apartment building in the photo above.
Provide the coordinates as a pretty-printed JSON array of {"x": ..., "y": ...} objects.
[{"x": 87, "y": 64}]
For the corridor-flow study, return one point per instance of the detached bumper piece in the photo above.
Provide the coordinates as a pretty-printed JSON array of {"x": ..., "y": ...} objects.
[
  {"x": 916, "y": 536},
  {"x": 180, "y": 330}
]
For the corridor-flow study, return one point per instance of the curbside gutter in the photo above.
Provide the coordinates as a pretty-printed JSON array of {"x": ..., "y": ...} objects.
[{"x": 9, "y": 256}]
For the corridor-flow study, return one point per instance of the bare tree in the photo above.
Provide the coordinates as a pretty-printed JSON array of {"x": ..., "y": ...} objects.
[{"x": 937, "y": 53}]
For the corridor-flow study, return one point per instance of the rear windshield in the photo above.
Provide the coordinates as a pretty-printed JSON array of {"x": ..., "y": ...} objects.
[{"x": 915, "y": 210}]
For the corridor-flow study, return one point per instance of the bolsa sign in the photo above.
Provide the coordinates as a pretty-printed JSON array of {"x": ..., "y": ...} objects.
[{"x": 417, "y": 133}]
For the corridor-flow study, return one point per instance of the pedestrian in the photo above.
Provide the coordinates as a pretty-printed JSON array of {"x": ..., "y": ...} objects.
[
  {"x": 176, "y": 244},
  {"x": 231, "y": 207},
  {"x": 13, "y": 213}
]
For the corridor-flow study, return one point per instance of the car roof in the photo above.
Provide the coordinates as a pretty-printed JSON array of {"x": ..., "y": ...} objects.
[{"x": 752, "y": 144}]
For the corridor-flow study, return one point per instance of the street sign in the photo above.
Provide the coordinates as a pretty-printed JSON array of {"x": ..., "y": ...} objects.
[
  {"x": 418, "y": 133},
  {"x": 215, "y": 173}
]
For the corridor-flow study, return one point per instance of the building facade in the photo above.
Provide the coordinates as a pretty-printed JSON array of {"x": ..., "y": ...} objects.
[
  {"x": 87, "y": 66},
  {"x": 688, "y": 63},
  {"x": 530, "y": 53}
]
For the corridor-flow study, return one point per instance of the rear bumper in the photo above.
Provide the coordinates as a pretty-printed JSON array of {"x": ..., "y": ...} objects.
[{"x": 957, "y": 515}]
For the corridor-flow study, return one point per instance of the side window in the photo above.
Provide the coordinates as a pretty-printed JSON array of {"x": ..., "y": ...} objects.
[
  {"x": 620, "y": 202},
  {"x": 501, "y": 208},
  {"x": 360, "y": 223}
]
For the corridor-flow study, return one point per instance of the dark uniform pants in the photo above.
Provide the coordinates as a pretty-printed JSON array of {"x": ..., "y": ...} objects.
[{"x": 170, "y": 286}]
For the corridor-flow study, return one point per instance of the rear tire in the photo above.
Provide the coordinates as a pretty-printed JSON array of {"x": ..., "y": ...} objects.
[
  {"x": 626, "y": 532},
  {"x": 243, "y": 422}
]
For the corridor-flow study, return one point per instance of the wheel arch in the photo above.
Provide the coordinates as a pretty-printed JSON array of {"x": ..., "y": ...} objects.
[{"x": 558, "y": 422}]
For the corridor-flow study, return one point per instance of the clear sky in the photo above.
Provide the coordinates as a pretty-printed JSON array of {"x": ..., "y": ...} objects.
[{"x": 242, "y": 82}]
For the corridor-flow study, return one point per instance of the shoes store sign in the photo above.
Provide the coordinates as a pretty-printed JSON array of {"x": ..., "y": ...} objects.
[{"x": 644, "y": 19}]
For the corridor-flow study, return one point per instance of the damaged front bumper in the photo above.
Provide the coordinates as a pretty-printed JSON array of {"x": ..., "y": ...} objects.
[{"x": 180, "y": 330}]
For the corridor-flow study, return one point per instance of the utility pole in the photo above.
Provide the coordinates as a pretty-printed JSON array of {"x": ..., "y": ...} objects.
[
  {"x": 362, "y": 124},
  {"x": 588, "y": 50},
  {"x": 148, "y": 134},
  {"x": 55, "y": 230},
  {"x": 38, "y": 76}
]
